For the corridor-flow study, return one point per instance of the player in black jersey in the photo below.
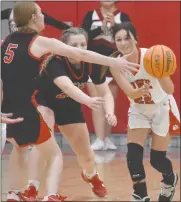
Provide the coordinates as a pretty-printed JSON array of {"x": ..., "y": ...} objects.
[
  {"x": 60, "y": 82},
  {"x": 21, "y": 53}
]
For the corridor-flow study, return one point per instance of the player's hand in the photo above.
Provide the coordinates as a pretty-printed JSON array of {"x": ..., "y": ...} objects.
[
  {"x": 139, "y": 92},
  {"x": 124, "y": 65},
  {"x": 5, "y": 118},
  {"x": 95, "y": 103},
  {"x": 111, "y": 119}
]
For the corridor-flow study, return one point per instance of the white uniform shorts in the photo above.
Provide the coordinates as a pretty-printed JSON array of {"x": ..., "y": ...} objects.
[
  {"x": 153, "y": 116},
  {"x": 3, "y": 135}
]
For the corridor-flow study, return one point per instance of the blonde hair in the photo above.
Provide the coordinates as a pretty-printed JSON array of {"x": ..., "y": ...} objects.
[
  {"x": 23, "y": 12},
  {"x": 73, "y": 31}
]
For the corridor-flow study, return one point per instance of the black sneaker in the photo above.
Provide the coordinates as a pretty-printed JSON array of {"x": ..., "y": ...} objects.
[
  {"x": 138, "y": 198},
  {"x": 167, "y": 191}
]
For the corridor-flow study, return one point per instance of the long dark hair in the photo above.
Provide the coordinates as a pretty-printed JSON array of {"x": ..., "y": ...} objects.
[{"x": 129, "y": 27}]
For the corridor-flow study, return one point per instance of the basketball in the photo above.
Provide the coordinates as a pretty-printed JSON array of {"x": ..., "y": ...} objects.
[{"x": 159, "y": 61}]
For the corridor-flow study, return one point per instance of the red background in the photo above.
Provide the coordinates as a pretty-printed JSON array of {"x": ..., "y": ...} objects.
[{"x": 156, "y": 23}]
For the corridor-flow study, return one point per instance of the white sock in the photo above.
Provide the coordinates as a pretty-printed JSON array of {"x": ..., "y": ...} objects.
[
  {"x": 89, "y": 176},
  {"x": 35, "y": 183},
  {"x": 13, "y": 195}
]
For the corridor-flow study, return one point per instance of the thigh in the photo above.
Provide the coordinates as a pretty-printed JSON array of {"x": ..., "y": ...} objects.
[
  {"x": 161, "y": 119},
  {"x": 48, "y": 116},
  {"x": 91, "y": 89},
  {"x": 114, "y": 89},
  {"x": 78, "y": 137},
  {"x": 137, "y": 135},
  {"x": 160, "y": 143},
  {"x": 137, "y": 119}
]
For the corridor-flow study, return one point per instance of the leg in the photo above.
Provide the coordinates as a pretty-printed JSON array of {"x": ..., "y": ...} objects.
[
  {"x": 47, "y": 153},
  {"x": 17, "y": 170},
  {"x": 162, "y": 164},
  {"x": 158, "y": 159},
  {"x": 98, "y": 118},
  {"x": 78, "y": 137},
  {"x": 136, "y": 141},
  {"x": 37, "y": 159}
]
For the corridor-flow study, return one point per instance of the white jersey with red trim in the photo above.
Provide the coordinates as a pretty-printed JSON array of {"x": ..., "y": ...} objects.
[{"x": 137, "y": 80}]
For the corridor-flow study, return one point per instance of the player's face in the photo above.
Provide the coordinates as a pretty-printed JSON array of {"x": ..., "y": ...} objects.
[
  {"x": 39, "y": 19},
  {"x": 107, "y": 3},
  {"x": 78, "y": 41},
  {"x": 125, "y": 43}
]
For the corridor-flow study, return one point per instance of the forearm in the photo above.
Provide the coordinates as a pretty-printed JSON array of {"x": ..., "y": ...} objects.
[
  {"x": 109, "y": 103},
  {"x": 76, "y": 94},
  {"x": 104, "y": 92},
  {"x": 122, "y": 82},
  {"x": 57, "y": 47},
  {"x": 167, "y": 85}
]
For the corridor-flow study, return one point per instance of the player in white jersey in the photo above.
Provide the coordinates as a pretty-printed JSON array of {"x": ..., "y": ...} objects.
[{"x": 146, "y": 113}]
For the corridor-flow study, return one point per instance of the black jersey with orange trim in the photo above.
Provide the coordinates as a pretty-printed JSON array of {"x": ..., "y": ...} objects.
[
  {"x": 18, "y": 68},
  {"x": 55, "y": 66}
]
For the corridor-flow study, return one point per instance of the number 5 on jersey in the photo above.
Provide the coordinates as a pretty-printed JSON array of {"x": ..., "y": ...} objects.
[{"x": 10, "y": 53}]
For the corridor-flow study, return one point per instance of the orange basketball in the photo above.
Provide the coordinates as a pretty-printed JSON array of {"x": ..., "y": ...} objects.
[{"x": 159, "y": 61}]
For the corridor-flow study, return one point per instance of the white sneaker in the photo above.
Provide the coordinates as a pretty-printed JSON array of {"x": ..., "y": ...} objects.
[
  {"x": 98, "y": 145},
  {"x": 109, "y": 144}
]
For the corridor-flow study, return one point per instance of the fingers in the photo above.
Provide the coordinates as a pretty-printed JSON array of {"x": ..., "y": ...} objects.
[
  {"x": 111, "y": 119},
  {"x": 99, "y": 100},
  {"x": 132, "y": 67},
  {"x": 7, "y": 115},
  {"x": 145, "y": 90},
  {"x": 97, "y": 103},
  {"x": 11, "y": 121}
]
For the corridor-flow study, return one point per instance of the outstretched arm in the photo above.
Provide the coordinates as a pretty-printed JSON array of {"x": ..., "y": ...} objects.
[{"x": 43, "y": 45}]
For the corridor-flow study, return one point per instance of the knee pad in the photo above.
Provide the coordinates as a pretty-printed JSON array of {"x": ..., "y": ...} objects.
[
  {"x": 135, "y": 162},
  {"x": 160, "y": 162}
]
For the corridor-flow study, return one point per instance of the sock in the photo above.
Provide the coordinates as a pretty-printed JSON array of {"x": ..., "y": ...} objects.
[
  {"x": 13, "y": 195},
  {"x": 35, "y": 183},
  {"x": 89, "y": 176},
  {"x": 140, "y": 189},
  {"x": 168, "y": 178}
]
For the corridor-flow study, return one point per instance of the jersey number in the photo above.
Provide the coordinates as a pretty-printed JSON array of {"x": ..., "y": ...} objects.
[
  {"x": 145, "y": 99},
  {"x": 10, "y": 53}
]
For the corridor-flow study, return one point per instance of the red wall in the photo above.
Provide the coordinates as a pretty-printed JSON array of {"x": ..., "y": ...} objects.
[{"x": 156, "y": 23}]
